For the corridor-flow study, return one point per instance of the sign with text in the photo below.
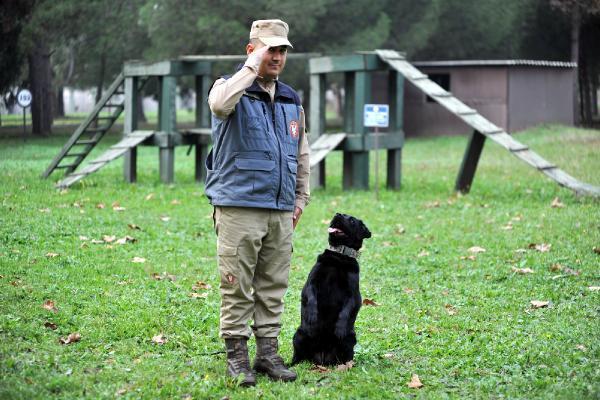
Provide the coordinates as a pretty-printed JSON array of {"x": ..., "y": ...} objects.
[
  {"x": 377, "y": 115},
  {"x": 24, "y": 98}
]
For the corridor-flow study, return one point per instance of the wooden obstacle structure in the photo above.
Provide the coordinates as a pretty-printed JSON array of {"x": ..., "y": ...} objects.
[{"x": 355, "y": 141}]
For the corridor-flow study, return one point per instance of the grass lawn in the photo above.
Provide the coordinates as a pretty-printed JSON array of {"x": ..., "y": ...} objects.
[{"x": 461, "y": 320}]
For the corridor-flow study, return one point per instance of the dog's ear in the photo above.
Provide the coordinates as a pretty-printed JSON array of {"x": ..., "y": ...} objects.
[{"x": 366, "y": 233}]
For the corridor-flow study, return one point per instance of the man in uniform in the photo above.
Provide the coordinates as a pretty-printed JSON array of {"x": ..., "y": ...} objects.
[{"x": 257, "y": 181}]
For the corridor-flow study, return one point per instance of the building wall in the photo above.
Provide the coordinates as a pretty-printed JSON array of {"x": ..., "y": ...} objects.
[
  {"x": 484, "y": 89},
  {"x": 538, "y": 95}
]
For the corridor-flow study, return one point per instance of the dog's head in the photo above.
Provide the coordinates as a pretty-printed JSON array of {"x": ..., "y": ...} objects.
[{"x": 347, "y": 231}]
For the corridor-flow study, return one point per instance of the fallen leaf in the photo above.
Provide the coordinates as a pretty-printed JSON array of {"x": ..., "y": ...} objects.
[
  {"x": 72, "y": 338},
  {"x": 423, "y": 253},
  {"x": 50, "y": 325},
  {"x": 49, "y": 305},
  {"x": 387, "y": 244},
  {"x": 432, "y": 204},
  {"x": 520, "y": 251},
  {"x": 125, "y": 240},
  {"x": 408, "y": 290},
  {"x": 140, "y": 260},
  {"x": 320, "y": 368},
  {"x": 201, "y": 286},
  {"x": 596, "y": 250},
  {"x": 522, "y": 270},
  {"x": 134, "y": 227},
  {"x": 389, "y": 356},
  {"x": 507, "y": 227},
  {"x": 159, "y": 339},
  {"x": 108, "y": 238},
  {"x": 476, "y": 249},
  {"x": 539, "y": 304},
  {"x": 100, "y": 206},
  {"x": 450, "y": 309},
  {"x": 556, "y": 267},
  {"x": 149, "y": 196},
  {"x": 119, "y": 208},
  {"x": 96, "y": 241},
  {"x": 369, "y": 302},
  {"x": 581, "y": 347},
  {"x": 594, "y": 288},
  {"x": 472, "y": 258},
  {"x": 400, "y": 229},
  {"x": 175, "y": 202},
  {"x": 195, "y": 295},
  {"x": 83, "y": 238},
  {"x": 164, "y": 218},
  {"x": 556, "y": 203},
  {"x": 571, "y": 271},
  {"x": 121, "y": 392},
  {"x": 51, "y": 254},
  {"x": 415, "y": 382},
  {"x": 346, "y": 366},
  {"x": 77, "y": 204},
  {"x": 44, "y": 210},
  {"x": 542, "y": 247}
]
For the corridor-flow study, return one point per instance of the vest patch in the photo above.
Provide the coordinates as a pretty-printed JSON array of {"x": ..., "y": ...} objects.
[{"x": 294, "y": 131}]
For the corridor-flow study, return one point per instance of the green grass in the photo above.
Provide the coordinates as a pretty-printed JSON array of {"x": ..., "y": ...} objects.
[{"x": 495, "y": 345}]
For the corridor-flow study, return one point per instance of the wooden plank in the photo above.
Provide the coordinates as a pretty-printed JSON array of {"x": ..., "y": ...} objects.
[
  {"x": 323, "y": 146},
  {"x": 346, "y": 63},
  {"x": 110, "y": 155},
  {"x": 454, "y": 105},
  {"x": 534, "y": 159},
  {"x": 431, "y": 88},
  {"x": 481, "y": 124},
  {"x": 506, "y": 141}
]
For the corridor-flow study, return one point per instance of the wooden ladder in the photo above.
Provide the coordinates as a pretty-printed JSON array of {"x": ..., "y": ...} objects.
[
  {"x": 91, "y": 130},
  {"x": 483, "y": 129}
]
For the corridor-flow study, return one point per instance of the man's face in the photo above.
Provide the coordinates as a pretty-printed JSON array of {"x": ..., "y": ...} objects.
[{"x": 273, "y": 62}]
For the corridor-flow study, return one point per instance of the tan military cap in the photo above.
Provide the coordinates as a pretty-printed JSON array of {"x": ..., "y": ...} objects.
[{"x": 272, "y": 32}]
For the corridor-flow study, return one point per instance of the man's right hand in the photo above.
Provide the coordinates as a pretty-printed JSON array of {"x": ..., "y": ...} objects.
[{"x": 255, "y": 58}]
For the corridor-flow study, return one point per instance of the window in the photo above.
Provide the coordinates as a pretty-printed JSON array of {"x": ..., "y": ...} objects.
[{"x": 441, "y": 79}]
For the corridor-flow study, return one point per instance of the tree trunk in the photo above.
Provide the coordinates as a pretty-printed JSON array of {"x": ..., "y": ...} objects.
[
  {"x": 140, "y": 107},
  {"x": 40, "y": 79},
  {"x": 60, "y": 103},
  {"x": 101, "y": 77},
  {"x": 575, "y": 29}
]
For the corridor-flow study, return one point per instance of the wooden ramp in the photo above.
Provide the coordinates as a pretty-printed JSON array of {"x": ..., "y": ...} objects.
[
  {"x": 483, "y": 129},
  {"x": 324, "y": 145},
  {"x": 127, "y": 143}
]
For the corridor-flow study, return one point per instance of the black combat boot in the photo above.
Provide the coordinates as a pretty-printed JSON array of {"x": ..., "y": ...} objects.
[
  {"x": 238, "y": 362},
  {"x": 269, "y": 362}
]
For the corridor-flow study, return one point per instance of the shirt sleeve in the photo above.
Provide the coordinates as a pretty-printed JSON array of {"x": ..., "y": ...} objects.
[
  {"x": 226, "y": 93},
  {"x": 303, "y": 174}
]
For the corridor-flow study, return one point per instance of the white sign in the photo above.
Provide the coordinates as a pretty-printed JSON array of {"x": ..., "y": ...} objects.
[
  {"x": 24, "y": 98},
  {"x": 377, "y": 115}
]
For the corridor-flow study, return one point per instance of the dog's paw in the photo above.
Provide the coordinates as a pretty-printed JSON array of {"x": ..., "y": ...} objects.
[{"x": 340, "y": 331}]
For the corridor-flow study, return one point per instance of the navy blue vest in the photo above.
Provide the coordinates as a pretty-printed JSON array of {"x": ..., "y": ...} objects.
[{"x": 253, "y": 161}]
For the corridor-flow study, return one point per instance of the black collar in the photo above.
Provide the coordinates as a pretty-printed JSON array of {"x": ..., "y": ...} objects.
[{"x": 345, "y": 250}]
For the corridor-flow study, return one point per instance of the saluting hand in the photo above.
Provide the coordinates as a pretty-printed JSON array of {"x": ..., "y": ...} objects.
[{"x": 255, "y": 57}]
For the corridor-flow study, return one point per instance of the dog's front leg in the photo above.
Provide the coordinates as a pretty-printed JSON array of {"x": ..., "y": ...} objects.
[
  {"x": 310, "y": 307},
  {"x": 342, "y": 325}
]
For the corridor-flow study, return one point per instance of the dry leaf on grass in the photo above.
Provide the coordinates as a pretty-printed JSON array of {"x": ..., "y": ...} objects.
[
  {"x": 44, "y": 210},
  {"x": 199, "y": 285},
  {"x": 400, "y": 229},
  {"x": 476, "y": 249},
  {"x": 195, "y": 295},
  {"x": 149, "y": 196},
  {"x": 125, "y": 240},
  {"x": 450, "y": 309},
  {"x": 369, "y": 302},
  {"x": 556, "y": 203},
  {"x": 164, "y": 218},
  {"x": 100, "y": 206},
  {"x": 389, "y": 356},
  {"x": 51, "y": 325},
  {"x": 542, "y": 247},
  {"x": 160, "y": 339},
  {"x": 320, "y": 369},
  {"x": 408, "y": 290},
  {"x": 596, "y": 250},
  {"x": 539, "y": 303},
  {"x": 415, "y": 382},
  {"x": 108, "y": 238},
  {"x": 96, "y": 241},
  {"x": 164, "y": 275},
  {"x": 175, "y": 202},
  {"x": 49, "y": 305},
  {"x": 507, "y": 227},
  {"x": 345, "y": 367},
  {"x": 72, "y": 338},
  {"x": 432, "y": 204},
  {"x": 139, "y": 260},
  {"x": 594, "y": 288},
  {"x": 522, "y": 270},
  {"x": 51, "y": 254},
  {"x": 472, "y": 258},
  {"x": 581, "y": 347},
  {"x": 423, "y": 253},
  {"x": 134, "y": 227}
]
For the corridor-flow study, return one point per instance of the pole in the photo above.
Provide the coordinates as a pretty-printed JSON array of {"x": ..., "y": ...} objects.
[
  {"x": 24, "y": 126},
  {"x": 377, "y": 163}
]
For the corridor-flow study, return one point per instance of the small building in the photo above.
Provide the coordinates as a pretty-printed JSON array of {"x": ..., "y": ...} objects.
[{"x": 513, "y": 94}]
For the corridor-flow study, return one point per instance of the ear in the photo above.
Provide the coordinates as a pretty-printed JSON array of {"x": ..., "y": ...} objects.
[
  {"x": 249, "y": 48},
  {"x": 366, "y": 231}
]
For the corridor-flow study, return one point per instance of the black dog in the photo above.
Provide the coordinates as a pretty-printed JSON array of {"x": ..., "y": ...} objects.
[{"x": 331, "y": 297}]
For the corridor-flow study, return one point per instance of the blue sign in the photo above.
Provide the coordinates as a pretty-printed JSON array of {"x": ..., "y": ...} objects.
[{"x": 377, "y": 115}]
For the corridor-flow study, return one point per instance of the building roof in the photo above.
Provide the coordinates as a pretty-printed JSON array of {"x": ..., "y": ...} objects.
[{"x": 496, "y": 63}]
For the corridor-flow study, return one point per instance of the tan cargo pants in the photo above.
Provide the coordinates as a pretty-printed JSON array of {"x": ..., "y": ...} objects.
[{"x": 254, "y": 248}]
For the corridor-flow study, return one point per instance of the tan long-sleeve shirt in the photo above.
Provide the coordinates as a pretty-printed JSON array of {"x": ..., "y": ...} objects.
[{"x": 224, "y": 96}]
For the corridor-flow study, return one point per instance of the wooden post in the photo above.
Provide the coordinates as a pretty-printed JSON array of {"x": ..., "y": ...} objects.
[
  {"x": 396, "y": 98},
  {"x": 469, "y": 163},
  {"x": 166, "y": 123},
  {"x": 356, "y": 163},
  {"x": 316, "y": 125},
  {"x": 202, "y": 121},
  {"x": 129, "y": 126}
]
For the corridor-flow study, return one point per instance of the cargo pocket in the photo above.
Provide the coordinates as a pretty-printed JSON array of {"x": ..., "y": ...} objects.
[
  {"x": 254, "y": 177},
  {"x": 228, "y": 268}
]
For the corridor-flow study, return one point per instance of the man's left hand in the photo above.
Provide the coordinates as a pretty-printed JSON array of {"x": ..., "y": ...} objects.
[{"x": 296, "y": 216}]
